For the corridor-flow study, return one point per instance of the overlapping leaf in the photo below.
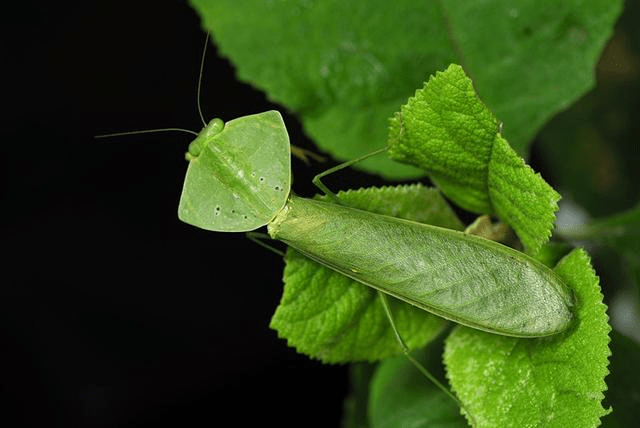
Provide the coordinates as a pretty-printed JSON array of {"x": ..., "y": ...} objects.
[
  {"x": 621, "y": 232},
  {"x": 623, "y": 393},
  {"x": 446, "y": 130},
  {"x": 556, "y": 381},
  {"x": 335, "y": 319},
  {"x": 346, "y": 66}
]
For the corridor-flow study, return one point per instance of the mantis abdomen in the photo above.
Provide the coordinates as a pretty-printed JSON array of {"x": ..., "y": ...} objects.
[{"x": 464, "y": 278}]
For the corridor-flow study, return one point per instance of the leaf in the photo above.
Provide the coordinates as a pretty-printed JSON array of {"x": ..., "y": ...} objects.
[
  {"x": 624, "y": 383},
  {"x": 400, "y": 397},
  {"x": 330, "y": 317},
  {"x": 346, "y": 66},
  {"x": 590, "y": 151},
  {"x": 553, "y": 382},
  {"x": 446, "y": 130},
  {"x": 621, "y": 232},
  {"x": 530, "y": 60},
  {"x": 412, "y": 202},
  {"x": 354, "y": 413}
]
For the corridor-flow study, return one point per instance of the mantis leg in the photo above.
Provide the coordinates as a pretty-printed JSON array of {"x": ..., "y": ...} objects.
[
  {"x": 320, "y": 185},
  {"x": 416, "y": 363},
  {"x": 304, "y": 154},
  {"x": 260, "y": 238}
]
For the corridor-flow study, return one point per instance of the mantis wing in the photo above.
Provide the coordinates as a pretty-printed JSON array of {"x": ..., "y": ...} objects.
[{"x": 464, "y": 278}]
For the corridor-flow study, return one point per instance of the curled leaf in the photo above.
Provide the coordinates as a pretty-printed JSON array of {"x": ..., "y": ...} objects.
[{"x": 446, "y": 130}]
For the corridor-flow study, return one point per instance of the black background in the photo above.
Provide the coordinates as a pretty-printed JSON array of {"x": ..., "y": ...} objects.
[{"x": 113, "y": 312}]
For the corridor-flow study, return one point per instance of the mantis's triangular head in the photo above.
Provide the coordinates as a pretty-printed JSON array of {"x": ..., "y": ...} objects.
[{"x": 239, "y": 174}]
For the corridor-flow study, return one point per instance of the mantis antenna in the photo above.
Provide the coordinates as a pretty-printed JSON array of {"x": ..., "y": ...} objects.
[
  {"x": 146, "y": 131},
  {"x": 149, "y": 131},
  {"x": 204, "y": 54},
  {"x": 298, "y": 152}
]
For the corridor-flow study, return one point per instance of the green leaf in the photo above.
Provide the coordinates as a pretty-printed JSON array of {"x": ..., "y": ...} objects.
[
  {"x": 331, "y": 317},
  {"x": 621, "y": 232},
  {"x": 624, "y": 383},
  {"x": 530, "y": 59},
  {"x": 400, "y": 397},
  {"x": 346, "y": 66},
  {"x": 354, "y": 413},
  {"x": 553, "y": 252},
  {"x": 446, "y": 130},
  {"x": 553, "y": 382},
  {"x": 590, "y": 152},
  {"x": 412, "y": 202}
]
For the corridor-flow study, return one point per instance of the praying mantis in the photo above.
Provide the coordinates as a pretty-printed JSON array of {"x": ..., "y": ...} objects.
[{"x": 239, "y": 180}]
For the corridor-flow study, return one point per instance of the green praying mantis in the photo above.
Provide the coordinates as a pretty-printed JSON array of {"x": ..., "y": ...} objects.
[{"x": 239, "y": 179}]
